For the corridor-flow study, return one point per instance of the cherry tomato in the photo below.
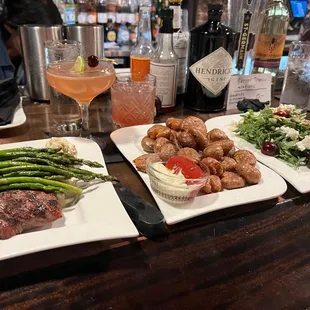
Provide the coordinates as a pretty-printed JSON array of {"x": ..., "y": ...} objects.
[
  {"x": 269, "y": 148},
  {"x": 282, "y": 113},
  {"x": 187, "y": 167}
]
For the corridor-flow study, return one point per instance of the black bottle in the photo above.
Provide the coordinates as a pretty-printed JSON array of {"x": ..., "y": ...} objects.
[{"x": 210, "y": 63}]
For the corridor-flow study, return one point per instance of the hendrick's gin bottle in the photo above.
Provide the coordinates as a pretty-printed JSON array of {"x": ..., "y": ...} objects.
[{"x": 210, "y": 63}]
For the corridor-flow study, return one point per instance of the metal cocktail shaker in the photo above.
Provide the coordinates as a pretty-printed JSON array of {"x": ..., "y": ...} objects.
[
  {"x": 32, "y": 42},
  {"x": 90, "y": 36}
]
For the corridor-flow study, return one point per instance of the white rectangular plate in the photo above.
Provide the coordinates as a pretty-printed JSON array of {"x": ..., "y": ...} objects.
[
  {"x": 272, "y": 185},
  {"x": 19, "y": 117},
  {"x": 299, "y": 178},
  {"x": 99, "y": 214}
]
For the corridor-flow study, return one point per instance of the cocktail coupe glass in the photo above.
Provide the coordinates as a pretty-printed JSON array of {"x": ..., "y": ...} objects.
[{"x": 82, "y": 85}]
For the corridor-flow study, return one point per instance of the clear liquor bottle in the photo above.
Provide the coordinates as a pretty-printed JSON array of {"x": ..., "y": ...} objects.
[
  {"x": 142, "y": 52},
  {"x": 271, "y": 40},
  {"x": 210, "y": 63},
  {"x": 164, "y": 63}
]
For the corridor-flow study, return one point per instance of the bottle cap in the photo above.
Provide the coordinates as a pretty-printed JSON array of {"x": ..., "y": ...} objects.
[
  {"x": 166, "y": 13},
  {"x": 215, "y": 7}
]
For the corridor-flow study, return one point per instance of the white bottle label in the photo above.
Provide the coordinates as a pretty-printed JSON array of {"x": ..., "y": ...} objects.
[
  {"x": 102, "y": 18},
  {"x": 166, "y": 75},
  {"x": 181, "y": 45},
  {"x": 177, "y": 17},
  {"x": 213, "y": 71},
  {"x": 82, "y": 18}
]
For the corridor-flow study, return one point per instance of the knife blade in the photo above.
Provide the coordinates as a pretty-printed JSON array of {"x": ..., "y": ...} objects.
[{"x": 147, "y": 218}]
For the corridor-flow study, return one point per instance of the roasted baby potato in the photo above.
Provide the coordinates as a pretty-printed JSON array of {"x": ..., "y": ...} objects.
[
  {"x": 231, "y": 180},
  {"x": 157, "y": 131},
  {"x": 213, "y": 185},
  {"x": 159, "y": 143},
  {"x": 227, "y": 145},
  {"x": 140, "y": 162},
  {"x": 192, "y": 122},
  {"x": 174, "y": 139},
  {"x": 174, "y": 123},
  {"x": 164, "y": 133},
  {"x": 250, "y": 173},
  {"x": 228, "y": 163},
  {"x": 168, "y": 150},
  {"x": 186, "y": 139},
  {"x": 244, "y": 156},
  {"x": 200, "y": 138},
  {"x": 214, "y": 151},
  {"x": 214, "y": 166},
  {"x": 148, "y": 144},
  {"x": 216, "y": 135},
  {"x": 190, "y": 154}
]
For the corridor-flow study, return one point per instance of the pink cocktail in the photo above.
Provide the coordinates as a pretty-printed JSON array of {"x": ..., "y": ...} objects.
[
  {"x": 133, "y": 103},
  {"x": 84, "y": 86}
]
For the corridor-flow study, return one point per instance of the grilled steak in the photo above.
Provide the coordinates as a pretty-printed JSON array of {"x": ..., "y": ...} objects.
[{"x": 22, "y": 210}]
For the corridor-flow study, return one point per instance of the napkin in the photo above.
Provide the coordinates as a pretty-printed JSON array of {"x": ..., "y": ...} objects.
[
  {"x": 251, "y": 104},
  {"x": 9, "y": 100}
]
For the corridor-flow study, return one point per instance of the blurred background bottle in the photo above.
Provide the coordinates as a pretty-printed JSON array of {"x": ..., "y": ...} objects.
[
  {"x": 91, "y": 8},
  {"x": 180, "y": 44},
  {"x": 82, "y": 12},
  {"x": 164, "y": 63},
  {"x": 110, "y": 32},
  {"x": 123, "y": 34},
  {"x": 271, "y": 39},
  {"x": 140, "y": 56},
  {"x": 102, "y": 14},
  {"x": 70, "y": 12}
]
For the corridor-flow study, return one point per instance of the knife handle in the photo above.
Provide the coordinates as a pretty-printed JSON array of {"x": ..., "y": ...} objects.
[{"x": 147, "y": 218}]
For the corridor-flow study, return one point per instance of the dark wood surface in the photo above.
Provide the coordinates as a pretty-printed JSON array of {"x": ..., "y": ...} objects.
[{"x": 248, "y": 257}]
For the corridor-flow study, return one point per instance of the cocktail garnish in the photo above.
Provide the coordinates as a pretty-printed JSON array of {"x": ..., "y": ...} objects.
[
  {"x": 92, "y": 61},
  {"x": 79, "y": 65}
]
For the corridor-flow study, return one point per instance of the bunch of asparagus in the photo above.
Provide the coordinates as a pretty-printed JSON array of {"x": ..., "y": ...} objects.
[{"x": 45, "y": 169}]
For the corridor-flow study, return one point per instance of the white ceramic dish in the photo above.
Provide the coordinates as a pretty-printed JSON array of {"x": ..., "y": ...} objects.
[
  {"x": 19, "y": 117},
  {"x": 272, "y": 185},
  {"x": 299, "y": 178},
  {"x": 99, "y": 214}
]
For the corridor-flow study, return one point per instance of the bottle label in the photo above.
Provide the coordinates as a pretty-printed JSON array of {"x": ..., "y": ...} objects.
[
  {"x": 112, "y": 16},
  {"x": 166, "y": 75},
  {"x": 102, "y": 18},
  {"x": 92, "y": 17},
  {"x": 177, "y": 17},
  {"x": 244, "y": 39},
  {"x": 181, "y": 44},
  {"x": 70, "y": 15},
  {"x": 111, "y": 36},
  {"x": 139, "y": 68},
  {"x": 269, "y": 50},
  {"x": 82, "y": 18},
  {"x": 213, "y": 71}
]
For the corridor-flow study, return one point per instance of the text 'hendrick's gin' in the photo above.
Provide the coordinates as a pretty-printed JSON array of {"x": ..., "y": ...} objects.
[{"x": 210, "y": 63}]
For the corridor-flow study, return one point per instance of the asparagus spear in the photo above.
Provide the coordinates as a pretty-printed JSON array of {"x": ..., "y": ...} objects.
[
  {"x": 68, "y": 188},
  {"x": 54, "y": 157},
  {"x": 27, "y": 174},
  {"x": 49, "y": 163},
  {"x": 35, "y": 186},
  {"x": 65, "y": 172},
  {"x": 9, "y": 163}
]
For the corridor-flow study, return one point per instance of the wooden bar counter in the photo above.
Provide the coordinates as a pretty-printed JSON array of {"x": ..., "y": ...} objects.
[{"x": 254, "y": 256}]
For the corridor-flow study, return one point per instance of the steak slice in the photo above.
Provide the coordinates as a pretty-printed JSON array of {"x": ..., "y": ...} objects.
[{"x": 22, "y": 210}]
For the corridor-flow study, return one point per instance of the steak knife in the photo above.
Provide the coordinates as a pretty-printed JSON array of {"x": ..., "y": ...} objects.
[{"x": 147, "y": 218}]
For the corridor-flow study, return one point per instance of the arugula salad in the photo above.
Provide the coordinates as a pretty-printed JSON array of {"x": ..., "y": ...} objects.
[{"x": 282, "y": 132}]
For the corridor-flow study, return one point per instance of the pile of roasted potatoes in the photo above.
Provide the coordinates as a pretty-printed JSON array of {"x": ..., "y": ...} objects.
[{"x": 212, "y": 151}]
